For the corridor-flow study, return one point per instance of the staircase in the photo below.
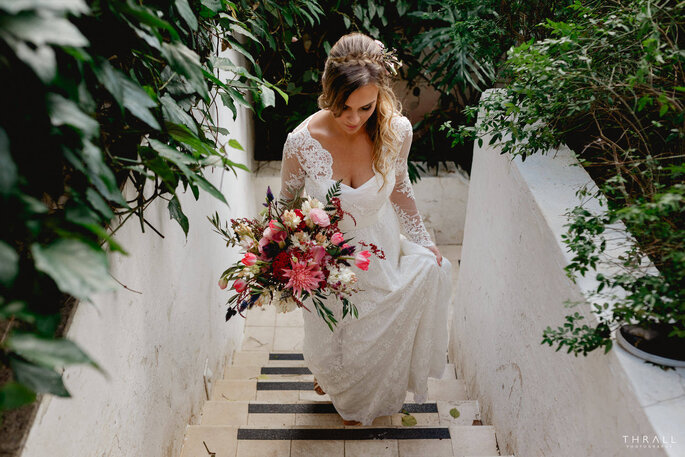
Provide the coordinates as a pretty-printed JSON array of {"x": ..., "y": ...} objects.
[{"x": 265, "y": 406}]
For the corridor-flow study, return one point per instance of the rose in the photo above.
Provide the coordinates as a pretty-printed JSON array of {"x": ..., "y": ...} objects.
[
  {"x": 319, "y": 217},
  {"x": 361, "y": 260},
  {"x": 223, "y": 283},
  {"x": 240, "y": 285},
  {"x": 337, "y": 238},
  {"x": 249, "y": 259}
]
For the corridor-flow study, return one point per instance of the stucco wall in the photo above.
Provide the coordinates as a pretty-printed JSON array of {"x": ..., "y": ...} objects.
[
  {"x": 511, "y": 286},
  {"x": 153, "y": 343}
]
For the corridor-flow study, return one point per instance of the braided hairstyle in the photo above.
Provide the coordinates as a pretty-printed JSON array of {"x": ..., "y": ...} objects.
[{"x": 354, "y": 61}]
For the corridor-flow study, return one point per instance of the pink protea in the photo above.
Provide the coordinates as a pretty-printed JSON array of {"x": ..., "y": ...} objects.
[{"x": 303, "y": 277}]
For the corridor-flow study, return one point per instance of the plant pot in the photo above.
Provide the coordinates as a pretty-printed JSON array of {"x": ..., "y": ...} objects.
[{"x": 652, "y": 344}]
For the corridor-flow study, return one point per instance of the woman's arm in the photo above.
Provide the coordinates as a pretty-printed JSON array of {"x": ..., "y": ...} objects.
[
  {"x": 292, "y": 173},
  {"x": 402, "y": 196}
]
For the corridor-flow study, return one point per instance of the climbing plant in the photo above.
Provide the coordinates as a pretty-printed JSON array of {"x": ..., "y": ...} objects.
[
  {"x": 106, "y": 108},
  {"x": 609, "y": 83}
]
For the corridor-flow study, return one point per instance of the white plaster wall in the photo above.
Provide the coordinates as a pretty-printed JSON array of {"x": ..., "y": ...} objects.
[
  {"x": 441, "y": 199},
  {"x": 153, "y": 344},
  {"x": 511, "y": 286}
]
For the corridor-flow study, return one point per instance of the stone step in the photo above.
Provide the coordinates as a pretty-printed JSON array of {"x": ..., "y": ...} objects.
[
  {"x": 305, "y": 413},
  {"x": 338, "y": 441},
  {"x": 293, "y": 391},
  {"x": 262, "y": 359}
]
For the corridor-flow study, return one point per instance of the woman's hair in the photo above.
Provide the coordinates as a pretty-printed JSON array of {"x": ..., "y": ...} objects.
[{"x": 354, "y": 61}]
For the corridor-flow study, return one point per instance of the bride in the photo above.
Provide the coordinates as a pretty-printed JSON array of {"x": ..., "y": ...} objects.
[{"x": 359, "y": 136}]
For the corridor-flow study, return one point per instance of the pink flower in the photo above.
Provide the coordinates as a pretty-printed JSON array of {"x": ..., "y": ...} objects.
[
  {"x": 280, "y": 236},
  {"x": 240, "y": 285},
  {"x": 249, "y": 259},
  {"x": 274, "y": 235},
  {"x": 263, "y": 242},
  {"x": 337, "y": 238},
  {"x": 275, "y": 226},
  {"x": 318, "y": 253},
  {"x": 223, "y": 283},
  {"x": 345, "y": 246},
  {"x": 303, "y": 277},
  {"x": 319, "y": 217},
  {"x": 362, "y": 261}
]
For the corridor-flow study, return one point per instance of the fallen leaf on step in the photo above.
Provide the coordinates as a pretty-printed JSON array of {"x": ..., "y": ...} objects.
[
  {"x": 454, "y": 412},
  {"x": 408, "y": 420}
]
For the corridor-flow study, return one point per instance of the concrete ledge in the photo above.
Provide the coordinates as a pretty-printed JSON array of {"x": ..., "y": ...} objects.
[{"x": 511, "y": 285}]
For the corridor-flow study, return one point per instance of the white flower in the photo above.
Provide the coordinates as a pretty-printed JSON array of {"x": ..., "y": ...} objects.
[
  {"x": 283, "y": 301},
  {"x": 300, "y": 240},
  {"x": 291, "y": 219},
  {"x": 308, "y": 204},
  {"x": 344, "y": 275}
]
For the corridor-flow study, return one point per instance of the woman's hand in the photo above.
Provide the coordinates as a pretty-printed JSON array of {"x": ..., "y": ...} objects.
[{"x": 435, "y": 251}]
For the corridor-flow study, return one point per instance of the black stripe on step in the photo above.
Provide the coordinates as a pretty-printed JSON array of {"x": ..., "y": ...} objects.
[
  {"x": 325, "y": 408},
  {"x": 405, "y": 433},
  {"x": 285, "y": 370},
  {"x": 261, "y": 385},
  {"x": 286, "y": 356}
]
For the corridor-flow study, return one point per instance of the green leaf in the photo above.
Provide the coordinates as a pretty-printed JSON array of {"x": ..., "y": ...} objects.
[
  {"x": 408, "y": 420},
  {"x": 177, "y": 214},
  {"x": 175, "y": 114},
  {"x": 38, "y": 378},
  {"x": 454, "y": 412},
  {"x": 127, "y": 93},
  {"x": 8, "y": 169},
  {"x": 46, "y": 29},
  {"x": 268, "y": 96},
  {"x": 75, "y": 7},
  {"x": 100, "y": 174},
  {"x": 50, "y": 353},
  {"x": 9, "y": 264},
  {"x": 209, "y": 187},
  {"x": 40, "y": 58},
  {"x": 63, "y": 111},
  {"x": 235, "y": 144},
  {"x": 99, "y": 203},
  {"x": 76, "y": 267},
  {"x": 187, "y": 14},
  {"x": 13, "y": 395},
  {"x": 186, "y": 62}
]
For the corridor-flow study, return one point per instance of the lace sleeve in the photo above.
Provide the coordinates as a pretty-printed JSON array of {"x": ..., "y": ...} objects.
[
  {"x": 292, "y": 172},
  {"x": 402, "y": 196}
]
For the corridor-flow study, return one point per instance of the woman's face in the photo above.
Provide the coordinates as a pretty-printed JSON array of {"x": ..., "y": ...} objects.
[{"x": 358, "y": 108}]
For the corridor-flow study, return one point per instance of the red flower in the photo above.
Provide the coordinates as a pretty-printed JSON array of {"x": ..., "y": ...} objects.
[
  {"x": 282, "y": 260},
  {"x": 303, "y": 224}
]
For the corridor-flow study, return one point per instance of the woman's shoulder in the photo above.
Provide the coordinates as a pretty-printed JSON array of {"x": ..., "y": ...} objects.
[{"x": 401, "y": 124}]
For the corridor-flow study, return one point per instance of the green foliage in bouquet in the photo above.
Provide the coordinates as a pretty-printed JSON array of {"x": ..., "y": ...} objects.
[{"x": 609, "y": 83}]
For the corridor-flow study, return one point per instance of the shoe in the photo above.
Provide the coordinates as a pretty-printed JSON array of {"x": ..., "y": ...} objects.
[{"x": 318, "y": 389}]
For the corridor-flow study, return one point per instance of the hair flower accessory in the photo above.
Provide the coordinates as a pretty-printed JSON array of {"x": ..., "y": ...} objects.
[{"x": 389, "y": 58}]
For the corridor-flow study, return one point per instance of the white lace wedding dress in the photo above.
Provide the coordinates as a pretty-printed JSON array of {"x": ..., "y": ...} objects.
[{"x": 368, "y": 363}]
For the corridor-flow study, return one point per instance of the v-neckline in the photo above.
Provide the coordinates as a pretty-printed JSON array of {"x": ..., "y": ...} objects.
[{"x": 309, "y": 134}]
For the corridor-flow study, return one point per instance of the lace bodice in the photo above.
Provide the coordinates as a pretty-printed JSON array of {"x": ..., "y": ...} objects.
[{"x": 305, "y": 158}]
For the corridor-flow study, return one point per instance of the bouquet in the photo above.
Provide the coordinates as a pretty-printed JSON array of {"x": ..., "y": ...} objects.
[{"x": 291, "y": 252}]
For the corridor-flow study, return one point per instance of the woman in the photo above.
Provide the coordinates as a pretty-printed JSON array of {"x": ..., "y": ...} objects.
[{"x": 367, "y": 364}]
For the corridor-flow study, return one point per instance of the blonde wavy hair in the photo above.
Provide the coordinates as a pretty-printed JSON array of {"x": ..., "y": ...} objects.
[{"x": 354, "y": 61}]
